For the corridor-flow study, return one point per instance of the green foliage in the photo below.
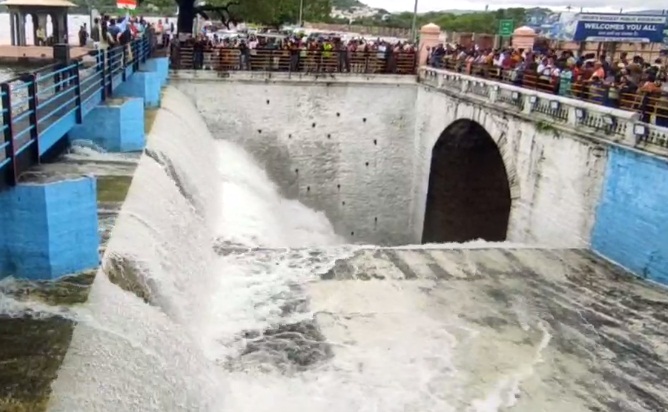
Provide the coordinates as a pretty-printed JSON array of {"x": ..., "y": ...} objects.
[
  {"x": 275, "y": 13},
  {"x": 347, "y": 4},
  {"x": 476, "y": 22}
]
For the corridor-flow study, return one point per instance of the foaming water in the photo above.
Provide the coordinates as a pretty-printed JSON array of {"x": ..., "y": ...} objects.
[
  {"x": 255, "y": 215},
  {"x": 171, "y": 350},
  {"x": 235, "y": 315},
  {"x": 139, "y": 355}
]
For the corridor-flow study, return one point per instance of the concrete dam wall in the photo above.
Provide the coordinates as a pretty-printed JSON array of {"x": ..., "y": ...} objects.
[
  {"x": 379, "y": 158},
  {"x": 361, "y": 152},
  {"x": 343, "y": 149}
]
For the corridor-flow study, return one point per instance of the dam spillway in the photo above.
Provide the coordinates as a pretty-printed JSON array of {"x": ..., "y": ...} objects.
[{"x": 220, "y": 290}]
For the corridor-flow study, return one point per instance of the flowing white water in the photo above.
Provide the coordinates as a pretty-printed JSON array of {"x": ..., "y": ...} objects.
[
  {"x": 239, "y": 319},
  {"x": 129, "y": 355}
]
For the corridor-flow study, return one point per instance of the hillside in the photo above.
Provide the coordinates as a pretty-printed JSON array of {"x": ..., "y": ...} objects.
[{"x": 346, "y": 4}]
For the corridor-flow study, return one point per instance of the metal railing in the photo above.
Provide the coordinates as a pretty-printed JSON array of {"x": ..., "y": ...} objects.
[
  {"x": 652, "y": 107},
  {"x": 33, "y": 103},
  {"x": 606, "y": 123},
  {"x": 188, "y": 57}
]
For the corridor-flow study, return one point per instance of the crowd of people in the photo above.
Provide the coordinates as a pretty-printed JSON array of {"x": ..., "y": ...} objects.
[
  {"x": 623, "y": 82},
  {"x": 296, "y": 53},
  {"x": 110, "y": 31}
]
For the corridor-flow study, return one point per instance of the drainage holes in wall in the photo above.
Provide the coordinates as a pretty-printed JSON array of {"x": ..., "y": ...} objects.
[
  {"x": 343, "y": 203},
  {"x": 308, "y": 188},
  {"x": 375, "y": 142},
  {"x": 313, "y": 125},
  {"x": 289, "y": 136},
  {"x": 259, "y": 131},
  {"x": 338, "y": 187},
  {"x": 364, "y": 120},
  {"x": 352, "y": 233},
  {"x": 338, "y": 114},
  {"x": 329, "y": 136},
  {"x": 366, "y": 164},
  {"x": 297, "y": 171},
  {"x": 267, "y": 101}
]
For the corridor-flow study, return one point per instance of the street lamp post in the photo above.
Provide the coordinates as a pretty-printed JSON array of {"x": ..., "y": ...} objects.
[{"x": 414, "y": 27}]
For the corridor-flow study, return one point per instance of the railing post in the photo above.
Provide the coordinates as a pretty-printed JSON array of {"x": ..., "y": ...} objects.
[
  {"x": 8, "y": 132},
  {"x": 77, "y": 90},
  {"x": 366, "y": 62},
  {"x": 124, "y": 61},
  {"x": 102, "y": 70},
  {"x": 110, "y": 70},
  {"x": 57, "y": 78},
  {"x": 32, "y": 106},
  {"x": 138, "y": 53}
]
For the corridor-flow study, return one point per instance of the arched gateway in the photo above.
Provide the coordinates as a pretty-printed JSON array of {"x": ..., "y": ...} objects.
[{"x": 469, "y": 193}]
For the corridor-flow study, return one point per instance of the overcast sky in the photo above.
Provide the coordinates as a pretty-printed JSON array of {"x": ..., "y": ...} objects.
[{"x": 589, "y": 5}]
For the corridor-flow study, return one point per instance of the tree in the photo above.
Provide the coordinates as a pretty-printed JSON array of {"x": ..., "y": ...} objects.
[
  {"x": 273, "y": 13},
  {"x": 478, "y": 22},
  {"x": 225, "y": 12}
]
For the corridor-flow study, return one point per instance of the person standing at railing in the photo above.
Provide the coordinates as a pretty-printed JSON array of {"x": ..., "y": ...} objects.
[
  {"x": 168, "y": 31},
  {"x": 112, "y": 32},
  {"x": 159, "y": 29},
  {"x": 295, "y": 52},
  {"x": 342, "y": 55},
  {"x": 566, "y": 80},
  {"x": 201, "y": 47},
  {"x": 40, "y": 35},
  {"x": 95, "y": 33},
  {"x": 244, "y": 55},
  {"x": 83, "y": 35}
]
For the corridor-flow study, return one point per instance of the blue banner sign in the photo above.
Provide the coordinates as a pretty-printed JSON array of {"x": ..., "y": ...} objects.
[{"x": 626, "y": 28}]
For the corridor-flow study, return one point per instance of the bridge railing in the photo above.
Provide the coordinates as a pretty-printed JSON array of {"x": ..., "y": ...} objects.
[
  {"x": 652, "y": 107},
  {"x": 619, "y": 126},
  {"x": 187, "y": 57},
  {"x": 55, "y": 96}
]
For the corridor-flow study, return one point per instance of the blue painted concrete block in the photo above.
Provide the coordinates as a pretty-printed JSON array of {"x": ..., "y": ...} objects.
[
  {"x": 632, "y": 217},
  {"x": 116, "y": 126},
  {"x": 57, "y": 131},
  {"x": 159, "y": 65},
  {"x": 142, "y": 84},
  {"x": 50, "y": 230}
]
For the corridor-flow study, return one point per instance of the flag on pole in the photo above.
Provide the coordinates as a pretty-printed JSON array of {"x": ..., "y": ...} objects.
[{"x": 126, "y": 4}]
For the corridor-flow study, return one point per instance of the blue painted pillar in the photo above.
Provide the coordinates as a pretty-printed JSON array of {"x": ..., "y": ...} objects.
[
  {"x": 159, "y": 65},
  {"x": 49, "y": 229},
  {"x": 144, "y": 84},
  {"x": 117, "y": 125}
]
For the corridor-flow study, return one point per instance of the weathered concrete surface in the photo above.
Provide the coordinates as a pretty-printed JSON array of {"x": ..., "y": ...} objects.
[
  {"x": 359, "y": 148},
  {"x": 328, "y": 142},
  {"x": 473, "y": 329}
]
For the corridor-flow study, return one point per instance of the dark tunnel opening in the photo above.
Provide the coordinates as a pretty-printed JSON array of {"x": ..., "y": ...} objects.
[{"x": 469, "y": 194}]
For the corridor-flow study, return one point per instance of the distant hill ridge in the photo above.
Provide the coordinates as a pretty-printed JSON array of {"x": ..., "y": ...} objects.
[{"x": 347, "y": 4}]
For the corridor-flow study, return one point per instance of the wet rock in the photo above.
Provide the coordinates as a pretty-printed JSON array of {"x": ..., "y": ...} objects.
[
  {"x": 126, "y": 274},
  {"x": 294, "y": 346}
]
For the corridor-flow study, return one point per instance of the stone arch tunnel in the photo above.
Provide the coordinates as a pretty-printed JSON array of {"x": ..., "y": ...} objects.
[{"x": 469, "y": 192}]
